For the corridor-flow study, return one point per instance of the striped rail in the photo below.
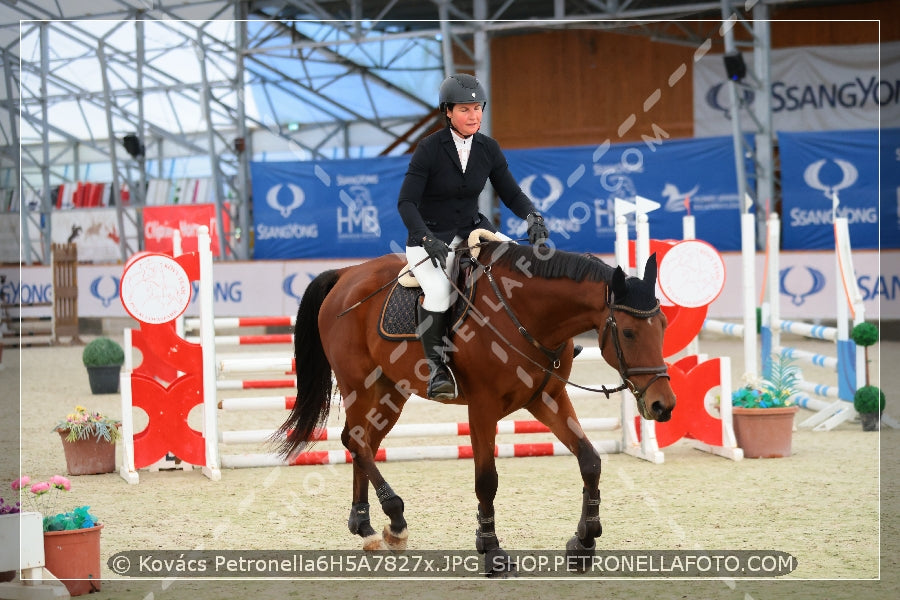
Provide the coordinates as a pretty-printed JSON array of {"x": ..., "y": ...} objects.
[
  {"x": 421, "y": 430},
  {"x": 331, "y": 457}
]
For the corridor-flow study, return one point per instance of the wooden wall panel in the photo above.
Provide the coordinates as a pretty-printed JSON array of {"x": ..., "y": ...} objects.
[
  {"x": 786, "y": 34},
  {"x": 578, "y": 87}
]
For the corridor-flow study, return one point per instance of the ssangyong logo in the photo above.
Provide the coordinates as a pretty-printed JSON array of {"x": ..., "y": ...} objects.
[
  {"x": 273, "y": 200},
  {"x": 798, "y": 287},
  {"x": 830, "y": 176},
  {"x": 554, "y": 191},
  {"x": 813, "y": 176},
  {"x": 105, "y": 289},
  {"x": 713, "y": 99},
  {"x": 291, "y": 229},
  {"x": 293, "y": 288}
]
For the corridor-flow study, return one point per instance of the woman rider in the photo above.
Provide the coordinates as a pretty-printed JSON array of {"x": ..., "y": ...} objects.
[{"x": 438, "y": 203}]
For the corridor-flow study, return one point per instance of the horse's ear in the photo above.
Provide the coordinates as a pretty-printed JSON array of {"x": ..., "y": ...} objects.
[
  {"x": 650, "y": 271},
  {"x": 617, "y": 285}
]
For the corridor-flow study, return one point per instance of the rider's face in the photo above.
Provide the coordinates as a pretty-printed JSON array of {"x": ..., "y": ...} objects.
[{"x": 466, "y": 118}]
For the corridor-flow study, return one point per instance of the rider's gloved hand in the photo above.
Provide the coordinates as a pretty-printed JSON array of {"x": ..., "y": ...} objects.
[
  {"x": 537, "y": 231},
  {"x": 437, "y": 250}
]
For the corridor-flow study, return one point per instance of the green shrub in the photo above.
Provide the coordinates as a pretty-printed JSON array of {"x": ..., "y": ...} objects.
[
  {"x": 868, "y": 399},
  {"x": 864, "y": 334},
  {"x": 102, "y": 352}
]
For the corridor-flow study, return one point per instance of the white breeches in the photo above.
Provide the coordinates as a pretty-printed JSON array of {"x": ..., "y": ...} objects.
[{"x": 434, "y": 281}]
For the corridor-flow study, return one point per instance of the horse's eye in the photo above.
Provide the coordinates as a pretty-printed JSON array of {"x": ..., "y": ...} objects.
[{"x": 628, "y": 333}]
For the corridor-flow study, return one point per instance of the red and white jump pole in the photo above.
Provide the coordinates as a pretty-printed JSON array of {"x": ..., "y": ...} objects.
[
  {"x": 325, "y": 457},
  {"x": 255, "y": 436}
]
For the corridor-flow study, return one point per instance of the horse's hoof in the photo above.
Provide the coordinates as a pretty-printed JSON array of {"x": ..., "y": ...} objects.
[
  {"x": 373, "y": 542},
  {"x": 579, "y": 556},
  {"x": 395, "y": 541},
  {"x": 498, "y": 565}
]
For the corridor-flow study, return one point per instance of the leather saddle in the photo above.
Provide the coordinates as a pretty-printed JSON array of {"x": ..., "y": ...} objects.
[{"x": 399, "y": 316}]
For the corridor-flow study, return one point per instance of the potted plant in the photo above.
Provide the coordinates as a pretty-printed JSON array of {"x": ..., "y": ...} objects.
[
  {"x": 763, "y": 411},
  {"x": 71, "y": 538},
  {"x": 9, "y": 526},
  {"x": 103, "y": 358},
  {"x": 867, "y": 400},
  {"x": 89, "y": 441},
  {"x": 869, "y": 403}
]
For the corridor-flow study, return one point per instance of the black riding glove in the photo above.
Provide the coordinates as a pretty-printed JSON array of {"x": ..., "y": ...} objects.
[
  {"x": 537, "y": 231},
  {"x": 437, "y": 251}
]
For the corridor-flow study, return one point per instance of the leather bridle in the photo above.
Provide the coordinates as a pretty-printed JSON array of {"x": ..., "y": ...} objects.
[{"x": 626, "y": 372}]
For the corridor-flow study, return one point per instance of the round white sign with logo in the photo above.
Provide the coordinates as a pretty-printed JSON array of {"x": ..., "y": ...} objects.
[
  {"x": 155, "y": 289},
  {"x": 691, "y": 274}
]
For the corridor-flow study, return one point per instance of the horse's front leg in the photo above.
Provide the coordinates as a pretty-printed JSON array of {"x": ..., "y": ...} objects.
[
  {"x": 559, "y": 416},
  {"x": 483, "y": 435}
]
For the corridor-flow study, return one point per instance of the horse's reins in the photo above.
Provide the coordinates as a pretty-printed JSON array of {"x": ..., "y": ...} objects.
[{"x": 554, "y": 354}]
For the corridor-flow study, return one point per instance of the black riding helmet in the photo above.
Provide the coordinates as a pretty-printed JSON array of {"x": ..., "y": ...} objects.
[{"x": 458, "y": 89}]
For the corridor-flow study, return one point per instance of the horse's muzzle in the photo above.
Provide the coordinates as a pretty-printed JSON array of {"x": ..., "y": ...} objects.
[{"x": 660, "y": 413}]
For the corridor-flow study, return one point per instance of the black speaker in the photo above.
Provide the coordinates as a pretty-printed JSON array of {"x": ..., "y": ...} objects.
[
  {"x": 734, "y": 66},
  {"x": 133, "y": 145}
]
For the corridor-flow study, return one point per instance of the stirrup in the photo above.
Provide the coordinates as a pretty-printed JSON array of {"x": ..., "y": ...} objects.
[{"x": 446, "y": 394}]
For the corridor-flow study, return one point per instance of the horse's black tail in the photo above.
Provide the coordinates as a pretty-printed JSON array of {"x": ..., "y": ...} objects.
[{"x": 314, "y": 386}]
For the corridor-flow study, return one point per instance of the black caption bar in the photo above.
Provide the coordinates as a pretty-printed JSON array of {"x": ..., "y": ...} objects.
[{"x": 439, "y": 564}]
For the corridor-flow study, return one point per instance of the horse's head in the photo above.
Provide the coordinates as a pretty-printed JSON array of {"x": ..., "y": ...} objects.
[{"x": 631, "y": 341}]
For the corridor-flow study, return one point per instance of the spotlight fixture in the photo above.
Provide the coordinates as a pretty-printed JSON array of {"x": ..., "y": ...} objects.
[
  {"x": 734, "y": 66},
  {"x": 133, "y": 145}
]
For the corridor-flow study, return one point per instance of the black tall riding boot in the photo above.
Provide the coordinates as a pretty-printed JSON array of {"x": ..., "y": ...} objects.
[{"x": 432, "y": 327}]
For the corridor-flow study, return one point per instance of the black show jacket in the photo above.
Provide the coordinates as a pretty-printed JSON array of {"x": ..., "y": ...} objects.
[{"x": 437, "y": 196}]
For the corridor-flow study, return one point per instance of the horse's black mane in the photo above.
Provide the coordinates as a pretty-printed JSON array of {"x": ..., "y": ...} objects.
[{"x": 548, "y": 265}]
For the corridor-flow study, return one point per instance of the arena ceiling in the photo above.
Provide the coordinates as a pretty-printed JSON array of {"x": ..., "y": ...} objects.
[{"x": 324, "y": 79}]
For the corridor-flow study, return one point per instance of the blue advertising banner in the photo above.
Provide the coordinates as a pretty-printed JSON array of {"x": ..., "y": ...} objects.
[
  {"x": 335, "y": 209},
  {"x": 576, "y": 188},
  {"x": 816, "y": 166},
  {"x": 889, "y": 213}
]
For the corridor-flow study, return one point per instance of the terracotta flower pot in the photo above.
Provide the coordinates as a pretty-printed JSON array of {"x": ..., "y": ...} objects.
[
  {"x": 764, "y": 432},
  {"x": 88, "y": 457},
  {"x": 73, "y": 556}
]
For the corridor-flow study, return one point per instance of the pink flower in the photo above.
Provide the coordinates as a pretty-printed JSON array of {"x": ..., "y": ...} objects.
[
  {"x": 60, "y": 482},
  {"x": 41, "y": 487},
  {"x": 20, "y": 483}
]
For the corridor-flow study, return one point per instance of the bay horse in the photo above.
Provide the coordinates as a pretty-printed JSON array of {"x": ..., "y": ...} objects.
[{"x": 513, "y": 351}]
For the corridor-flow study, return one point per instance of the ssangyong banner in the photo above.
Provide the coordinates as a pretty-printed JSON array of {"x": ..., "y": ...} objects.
[
  {"x": 817, "y": 167},
  {"x": 816, "y": 88},
  {"x": 336, "y": 208},
  {"x": 160, "y": 222},
  {"x": 576, "y": 189}
]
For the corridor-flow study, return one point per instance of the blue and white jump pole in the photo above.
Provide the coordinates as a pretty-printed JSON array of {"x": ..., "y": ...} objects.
[{"x": 834, "y": 403}]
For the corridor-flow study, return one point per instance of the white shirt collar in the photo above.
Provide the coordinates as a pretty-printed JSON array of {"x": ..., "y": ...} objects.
[
  {"x": 460, "y": 140},
  {"x": 463, "y": 148}
]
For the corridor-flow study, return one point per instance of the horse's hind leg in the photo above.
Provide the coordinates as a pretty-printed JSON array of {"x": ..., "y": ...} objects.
[
  {"x": 559, "y": 415},
  {"x": 358, "y": 523},
  {"x": 367, "y": 424}
]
